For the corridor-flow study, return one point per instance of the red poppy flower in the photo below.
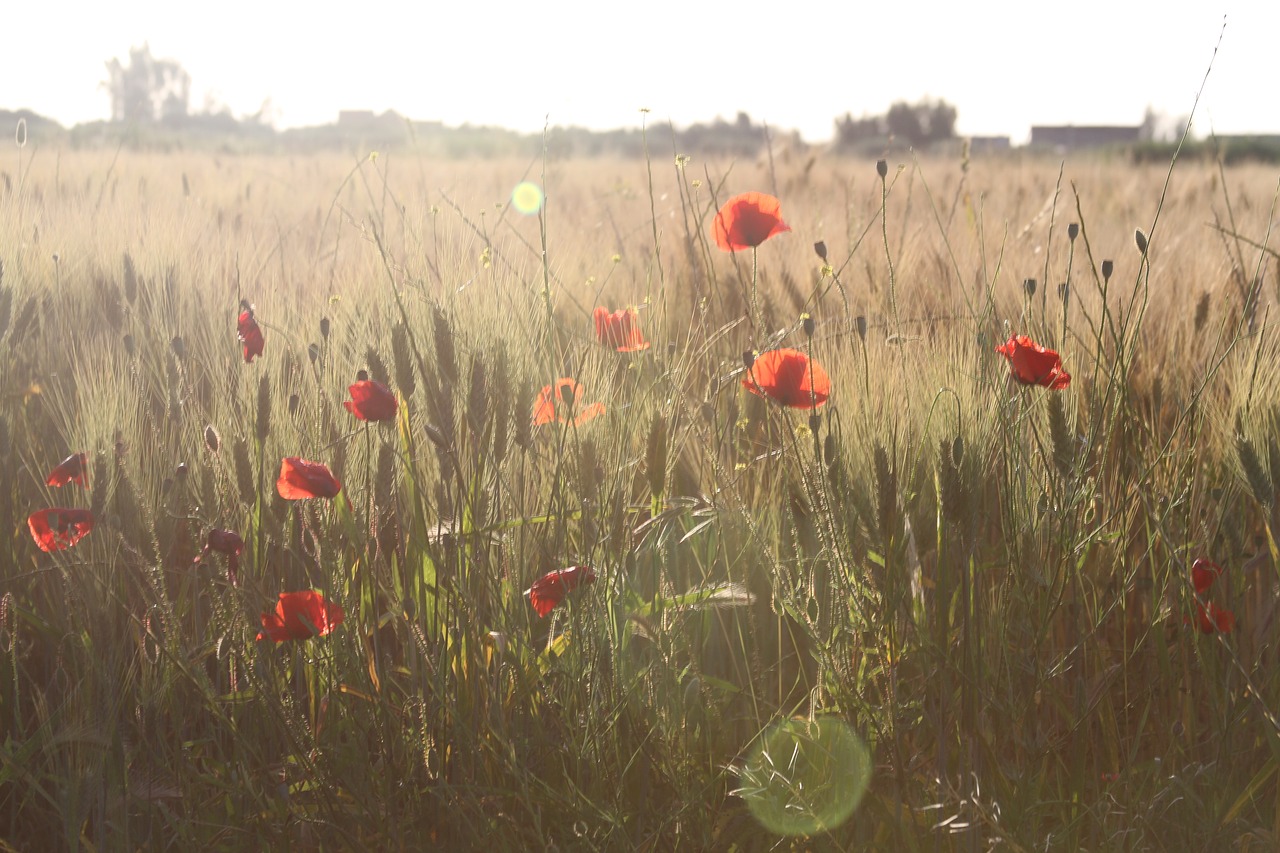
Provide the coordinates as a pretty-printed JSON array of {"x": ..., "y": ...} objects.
[
  {"x": 224, "y": 542},
  {"x": 73, "y": 468},
  {"x": 1032, "y": 364},
  {"x": 57, "y": 528},
  {"x": 546, "y": 410},
  {"x": 229, "y": 543},
  {"x": 301, "y": 479},
  {"x": 371, "y": 401},
  {"x": 250, "y": 335},
  {"x": 790, "y": 377},
  {"x": 1203, "y": 574},
  {"x": 299, "y": 616},
  {"x": 1210, "y": 617},
  {"x": 748, "y": 220},
  {"x": 550, "y": 589},
  {"x": 620, "y": 330}
]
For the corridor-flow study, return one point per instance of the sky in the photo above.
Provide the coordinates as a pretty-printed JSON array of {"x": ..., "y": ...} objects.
[{"x": 1004, "y": 65}]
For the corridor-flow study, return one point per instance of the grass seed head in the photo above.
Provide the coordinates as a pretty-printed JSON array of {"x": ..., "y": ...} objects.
[
  {"x": 655, "y": 458},
  {"x": 523, "y": 416},
  {"x": 477, "y": 396},
  {"x": 401, "y": 356},
  {"x": 1202, "y": 312},
  {"x": 1256, "y": 475},
  {"x": 244, "y": 471},
  {"x": 442, "y": 334},
  {"x": 377, "y": 367},
  {"x": 1064, "y": 451},
  {"x": 130, "y": 279},
  {"x": 98, "y": 494}
]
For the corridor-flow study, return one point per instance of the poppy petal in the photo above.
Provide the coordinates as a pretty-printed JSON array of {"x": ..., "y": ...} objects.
[
  {"x": 747, "y": 220},
  {"x": 550, "y": 589},
  {"x": 299, "y": 616},
  {"x": 69, "y": 470},
  {"x": 1032, "y": 364},
  {"x": 548, "y": 408},
  {"x": 1203, "y": 574},
  {"x": 300, "y": 479},
  {"x": 250, "y": 335},
  {"x": 619, "y": 330},
  {"x": 371, "y": 401},
  {"x": 789, "y": 377},
  {"x": 58, "y": 528}
]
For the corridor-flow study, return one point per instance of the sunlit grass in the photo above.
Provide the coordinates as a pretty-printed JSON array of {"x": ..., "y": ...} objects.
[{"x": 987, "y": 582}]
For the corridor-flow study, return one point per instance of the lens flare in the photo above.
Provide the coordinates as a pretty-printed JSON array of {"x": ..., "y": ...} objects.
[
  {"x": 805, "y": 776},
  {"x": 526, "y": 198}
]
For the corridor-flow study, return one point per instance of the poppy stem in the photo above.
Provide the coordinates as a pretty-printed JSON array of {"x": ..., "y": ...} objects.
[
  {"x": 757, "y": 322},
  {"x": 888, "y": 256}
]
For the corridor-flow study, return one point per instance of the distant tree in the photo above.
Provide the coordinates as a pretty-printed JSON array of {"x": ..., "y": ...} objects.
[
  {"x": 850, "y": 131},
  {"x": 915, "y": 124},
  {"x": 942, "y": 120},
  {"x": 903, "y": 121},
  {"x": 147, "y": 89}
]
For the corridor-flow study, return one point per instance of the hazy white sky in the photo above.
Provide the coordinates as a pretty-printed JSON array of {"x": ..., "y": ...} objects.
[{"x": 1005, "y": 65}]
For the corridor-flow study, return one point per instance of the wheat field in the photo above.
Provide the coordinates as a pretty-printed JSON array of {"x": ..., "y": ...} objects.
[{"x": 942, "y": 610}]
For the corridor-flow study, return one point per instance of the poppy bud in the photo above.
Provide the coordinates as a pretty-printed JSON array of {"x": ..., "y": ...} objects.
[
  {"x": 1029, "y": 285},
  {"x": 362, "y": 376},
  {"x": 821, "y": 248},
  {"x": 1141, "y": 240},
  {"x": 1107, "y": 268},
  {"x": 313, "y": 352},
  {"x": 435, "y": 437},
  {"x": 181, "y": 471},
  {"x": 293, "y": 403},
  {"x": 860, "y": 323},
  {"x": 815, "y": 422},
  {"x": 957, "y": 449},
  {"x": 1073, "y": 231},
  {"x": 748, "y": 359},
  {"x": 324, "y": 328},
  {"x": 211, "y": 439},
  {"x": 882, "y": 168},
  {"x": 807, "y": 322}
]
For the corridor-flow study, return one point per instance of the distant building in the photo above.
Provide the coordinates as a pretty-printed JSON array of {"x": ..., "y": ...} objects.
[
  {"x": 1084, "y": 136},
  {"x": 985, "y": 144}
]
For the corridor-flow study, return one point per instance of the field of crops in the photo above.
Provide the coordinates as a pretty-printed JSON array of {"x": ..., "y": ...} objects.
[{"x": 380, "y": 502}]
